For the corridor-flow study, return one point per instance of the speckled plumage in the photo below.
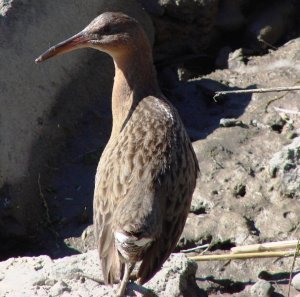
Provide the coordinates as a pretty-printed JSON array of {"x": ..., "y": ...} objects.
[
  {"x": 147, "y": 172},
  {"x": 144, "y": 184}
]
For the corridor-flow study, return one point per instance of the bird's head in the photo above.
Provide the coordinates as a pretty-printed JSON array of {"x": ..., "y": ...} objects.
[{"x": 112, "y": 32}]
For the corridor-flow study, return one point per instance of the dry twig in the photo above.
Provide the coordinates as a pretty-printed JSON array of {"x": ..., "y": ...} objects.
[
  {"x": 261, "y": 90},
  {"x": 45, "y": 204},
  {"x": 293, "y": 265},
  {"x": 268, "y": 246},
  {"x": 243, "y": 256},
  {"x": 204, "y": 246}
]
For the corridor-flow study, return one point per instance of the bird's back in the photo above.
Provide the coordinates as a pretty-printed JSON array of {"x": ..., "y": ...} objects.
[{"x": 144, "y": 185}]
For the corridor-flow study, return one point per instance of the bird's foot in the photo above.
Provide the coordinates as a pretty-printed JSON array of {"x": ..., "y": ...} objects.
[
  {"x": 122, "y": 288},
  {"x": 121, "y": 291}
]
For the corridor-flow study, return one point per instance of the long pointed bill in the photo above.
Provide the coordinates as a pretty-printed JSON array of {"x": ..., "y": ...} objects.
[{"x": 77, "y": 41}]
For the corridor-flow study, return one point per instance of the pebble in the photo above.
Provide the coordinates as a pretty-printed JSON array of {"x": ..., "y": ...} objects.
[
  {"x": 230, "y": 122},
  {"x": 262, "y": 288},
  {"x": 296, "y": 282}
]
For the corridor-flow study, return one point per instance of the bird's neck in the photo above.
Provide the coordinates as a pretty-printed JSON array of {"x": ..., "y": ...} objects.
[{"x": 135, "y": 79}]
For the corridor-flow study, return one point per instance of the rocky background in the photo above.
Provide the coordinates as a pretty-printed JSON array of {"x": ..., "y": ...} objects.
[{"x": 55, "y": 120}]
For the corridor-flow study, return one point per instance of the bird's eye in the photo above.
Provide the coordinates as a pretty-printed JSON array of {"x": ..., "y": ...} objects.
[{"x": 106, "y": 29}]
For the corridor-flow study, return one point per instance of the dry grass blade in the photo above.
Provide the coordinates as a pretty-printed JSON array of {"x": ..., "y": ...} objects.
[
  {"x": 261, "y": 90},
  {"x": 268, "y": 246},
  {"x": 292, "y": 268},
  {"x": 243, "y": 256},
  {"x": 204, "y": 246}
]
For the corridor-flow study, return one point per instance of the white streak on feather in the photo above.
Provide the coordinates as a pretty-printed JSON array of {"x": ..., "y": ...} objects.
[
  {"x": 124, "y": 239},
  {"x": 164, "y": 109}
]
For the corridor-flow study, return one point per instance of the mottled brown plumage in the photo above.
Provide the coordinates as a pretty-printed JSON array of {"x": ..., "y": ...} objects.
[{"x": 147, "y": 172}]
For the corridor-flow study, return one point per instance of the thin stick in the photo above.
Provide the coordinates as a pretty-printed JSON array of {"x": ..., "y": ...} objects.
[
  {"x": 204, "y": 246},
  {"x": 293, "y": 265},
  {"x": 267, "y": 44},
  {"x": 45, "y": 204},
  {"x": 268, "y": 246},
  {"x": 261, "y": 90},
  {"x": 244, "y": 256}
]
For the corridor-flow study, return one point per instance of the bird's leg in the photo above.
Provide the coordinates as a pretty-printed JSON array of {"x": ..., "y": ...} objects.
[{"x": 128, "y": 269}]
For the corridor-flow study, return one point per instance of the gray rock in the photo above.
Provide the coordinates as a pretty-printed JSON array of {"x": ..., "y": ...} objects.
[
  {"x": 286, "y": 166},
  {"x": 217, "y": 227},
  {"x": 236, "y": 155},
  {"x": 77, "y": 276},
  {"x": 278, "y": 220},
  {"x": 33, "y": 123},
  {"x": 296, "y": 282},
  {"x": 236, "y": 59},
  {"x": 262, "y": 288},
  {"x": 230, "y": 122},
  {"x": 176, "y": 276},
  {"x": 201, "y": 203}
]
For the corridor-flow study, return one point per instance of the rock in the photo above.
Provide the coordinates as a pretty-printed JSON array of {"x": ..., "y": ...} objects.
[
  {"x": 34, "y": 125},
  {"x": 231, "y": 156},
  {"x": 285, "y": 165},
  {"x": 296, "y": 281},
  {"x": 201, "y": 203},
  {"x": 262, "y": 288},
  {"x": 230, "y": 123},
  {"x": 176, "y": 277},
  {"x": 236, "y": 59},
  {"x": 76, "y": 275},
  {"x": 278, "y": 220},
  {"x": 192, "y": 22},
  {"x": 215, "y": 227}
]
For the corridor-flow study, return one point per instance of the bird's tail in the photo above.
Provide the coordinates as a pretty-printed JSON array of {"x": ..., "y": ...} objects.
[
  {"x": 111, "y": 267},
  {"x": 110, "y": 260}
]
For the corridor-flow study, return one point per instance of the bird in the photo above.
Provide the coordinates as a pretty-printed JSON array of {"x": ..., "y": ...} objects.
[{"x": 147, "y": 172}]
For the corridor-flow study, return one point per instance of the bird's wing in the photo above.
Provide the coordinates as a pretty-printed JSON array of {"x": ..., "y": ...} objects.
[
  {"x": 151, "y": 161},
  {"x": 179, "y": 186},
  {"x": 103, "y": 220}
]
